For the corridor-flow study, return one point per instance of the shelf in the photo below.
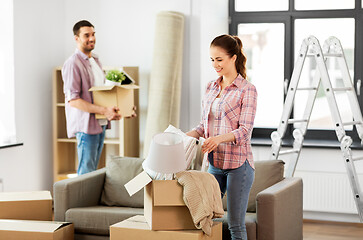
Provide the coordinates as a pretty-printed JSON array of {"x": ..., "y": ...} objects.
[
  {"x": 67, "y": 140},
  {"x": 66, "y": 175},
  {"x": 112, "y": 141},
  {"x": 73, "y": 140},
  {"x": 123, "y": 140}
]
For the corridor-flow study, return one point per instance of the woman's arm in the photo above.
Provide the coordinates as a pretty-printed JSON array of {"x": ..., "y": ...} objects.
[
  {"x": 247, "y": 116},
  {"x": 193, "y": 133}
]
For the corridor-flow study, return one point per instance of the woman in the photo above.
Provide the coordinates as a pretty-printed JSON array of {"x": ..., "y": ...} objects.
[{"x": 229, "y": 108}]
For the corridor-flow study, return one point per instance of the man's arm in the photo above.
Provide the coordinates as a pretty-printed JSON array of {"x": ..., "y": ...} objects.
[{"x": 109, "y": 112}]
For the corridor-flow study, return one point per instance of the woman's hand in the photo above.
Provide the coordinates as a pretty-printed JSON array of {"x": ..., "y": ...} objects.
[{"x": 210, "y": 144}]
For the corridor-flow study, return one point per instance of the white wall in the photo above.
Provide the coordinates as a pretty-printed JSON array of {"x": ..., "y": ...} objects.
[
  {"x": 38, "y": 48},
  {"x": 322, "y": 162}
]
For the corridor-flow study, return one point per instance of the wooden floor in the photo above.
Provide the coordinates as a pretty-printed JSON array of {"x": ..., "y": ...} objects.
[{"x": 314, "y": 230}]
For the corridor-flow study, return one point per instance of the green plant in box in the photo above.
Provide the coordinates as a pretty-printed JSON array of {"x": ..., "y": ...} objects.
[{"x": 115, "y": 76}]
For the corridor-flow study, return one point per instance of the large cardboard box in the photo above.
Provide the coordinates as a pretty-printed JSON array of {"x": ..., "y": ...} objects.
[
  {"x": 120, "y": 96},
  {"x": 164, "y": 207},
  {"x": 137, "y": 228},
  {"x": 35, "y": 230},
  {"x": 35, "y": 205}
]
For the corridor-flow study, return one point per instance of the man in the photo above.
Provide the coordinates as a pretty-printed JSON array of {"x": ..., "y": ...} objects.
[{"x": 80, "y": 72}]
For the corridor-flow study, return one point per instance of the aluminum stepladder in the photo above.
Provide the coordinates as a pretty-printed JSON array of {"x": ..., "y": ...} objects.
[{"x": 311, "y": 48}]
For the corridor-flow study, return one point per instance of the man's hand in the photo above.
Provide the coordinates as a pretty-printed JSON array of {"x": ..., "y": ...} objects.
[
  {"x": 111, "y": 113},
  {"x": 133, "y": 113}
]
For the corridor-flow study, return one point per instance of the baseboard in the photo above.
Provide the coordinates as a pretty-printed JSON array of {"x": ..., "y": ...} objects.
[{"x": 310, "y": 216}]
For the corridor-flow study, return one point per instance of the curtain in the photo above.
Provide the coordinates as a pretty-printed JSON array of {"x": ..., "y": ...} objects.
[{"x": 7, "y": 103}]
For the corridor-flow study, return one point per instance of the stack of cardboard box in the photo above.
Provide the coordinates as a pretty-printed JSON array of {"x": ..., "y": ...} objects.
[
  {"x": 28, "y": 215},
  {"x": 165, "y": 216}
]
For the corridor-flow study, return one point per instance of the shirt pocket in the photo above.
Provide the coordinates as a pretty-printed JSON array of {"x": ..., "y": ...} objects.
[{"x": 231, "y": 112}]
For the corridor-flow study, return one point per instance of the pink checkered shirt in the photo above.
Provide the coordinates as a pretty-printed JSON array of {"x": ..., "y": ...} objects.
[{"x": 235, "y": 113}]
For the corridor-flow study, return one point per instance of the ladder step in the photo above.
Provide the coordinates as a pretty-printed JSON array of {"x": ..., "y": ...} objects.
[
  {"x": 307, "y": 88},
  {"x": 352, "y": 123},
  {"x": 333, "y": 55},
  {"x": 296, "y": 120},
  {"x": 343, "y": 89},
  {"x": 326, "y": 55},
  {"x": 288, "y": 151},
  {"x": 357, "y": 158}
]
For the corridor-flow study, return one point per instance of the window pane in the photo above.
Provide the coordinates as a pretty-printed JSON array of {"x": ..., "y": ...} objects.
[
  {"x": 322, "y": 29},
  {"x": 261, "y": 5},
  {"x": 263, "y": 43},
  {"x": 323, "y": 4}
]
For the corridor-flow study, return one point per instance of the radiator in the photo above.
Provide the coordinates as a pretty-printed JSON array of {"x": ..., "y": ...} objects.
[{"x": 328, "y": 192}]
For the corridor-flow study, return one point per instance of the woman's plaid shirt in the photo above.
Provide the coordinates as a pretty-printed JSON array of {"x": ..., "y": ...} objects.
[{"x": 235, "y": 113}]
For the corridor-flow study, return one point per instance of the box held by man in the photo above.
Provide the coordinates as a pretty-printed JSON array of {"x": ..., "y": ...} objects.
[{"x": 121, "y": 96}]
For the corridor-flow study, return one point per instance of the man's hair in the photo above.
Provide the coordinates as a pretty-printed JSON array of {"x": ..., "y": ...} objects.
[{"x": 78, "y": 25}]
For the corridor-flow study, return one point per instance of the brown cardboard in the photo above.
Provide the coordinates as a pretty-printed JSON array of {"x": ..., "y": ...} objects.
[
  {"x": 136, "y": 227},
  {"x": 35, "y": 230},
  {"x": 164, "y": 207},
  {"x": 35, "y": 205},
  {"x": 120, "y": 96}
]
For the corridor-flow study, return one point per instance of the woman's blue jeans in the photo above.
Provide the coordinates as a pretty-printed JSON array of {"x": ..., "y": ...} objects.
[
  {"x": 89, "y": 149},
  {"x": 237, "y": 182}
]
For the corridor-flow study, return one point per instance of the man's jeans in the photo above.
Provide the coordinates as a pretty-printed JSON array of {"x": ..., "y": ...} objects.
[
  {"x": 89, "y": 148},
  {"x": 237, "y": 182}
]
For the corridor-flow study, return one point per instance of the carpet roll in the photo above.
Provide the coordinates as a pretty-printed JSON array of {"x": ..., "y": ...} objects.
[{"x": 165, "y": 77}]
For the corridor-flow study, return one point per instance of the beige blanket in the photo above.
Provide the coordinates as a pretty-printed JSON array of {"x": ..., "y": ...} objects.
[{"x": 202, "y": 196}]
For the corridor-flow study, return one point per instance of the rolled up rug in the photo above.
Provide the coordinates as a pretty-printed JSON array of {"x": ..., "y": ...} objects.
[{"x": 165, "y": 77}]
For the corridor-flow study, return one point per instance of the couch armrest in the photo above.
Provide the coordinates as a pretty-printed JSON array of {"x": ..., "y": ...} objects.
[
  {"x": 82, "y": 191},
  {"x": 280, "y": 210}
]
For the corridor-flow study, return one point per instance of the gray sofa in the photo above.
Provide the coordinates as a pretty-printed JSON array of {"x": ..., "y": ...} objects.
[{"x": 96, "y": 200}]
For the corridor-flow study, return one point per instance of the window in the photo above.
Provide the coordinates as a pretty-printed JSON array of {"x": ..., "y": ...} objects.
[
  {"x": 262, "y": 44},
  {"x": 322, "y": 29},
  {"x": 323, "y": 4},
  {"x": 272, "y": 33},
  {"x": 7, "y": 106},
  {"x": 261, "y": 5}
]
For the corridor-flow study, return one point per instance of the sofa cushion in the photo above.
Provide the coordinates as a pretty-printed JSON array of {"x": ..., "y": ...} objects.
[
  {"x": 267, "y": 173},
  {"x": 251, "y": 226},
  {"x": 120, "y": 170},
  {"x": 98, "y": 219}
]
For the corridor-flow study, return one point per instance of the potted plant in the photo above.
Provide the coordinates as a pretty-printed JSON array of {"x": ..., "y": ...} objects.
[{"x": 114, "y": 77}]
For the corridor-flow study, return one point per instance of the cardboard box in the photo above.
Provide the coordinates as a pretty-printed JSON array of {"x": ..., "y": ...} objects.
[
  {"x": 164, "y": 207},
  {"x": 137, "y": 228},
  {"x": 120, "y": 96},
  {"x": 35, "y": 205},
  {"x": 35, "y": 230}
]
